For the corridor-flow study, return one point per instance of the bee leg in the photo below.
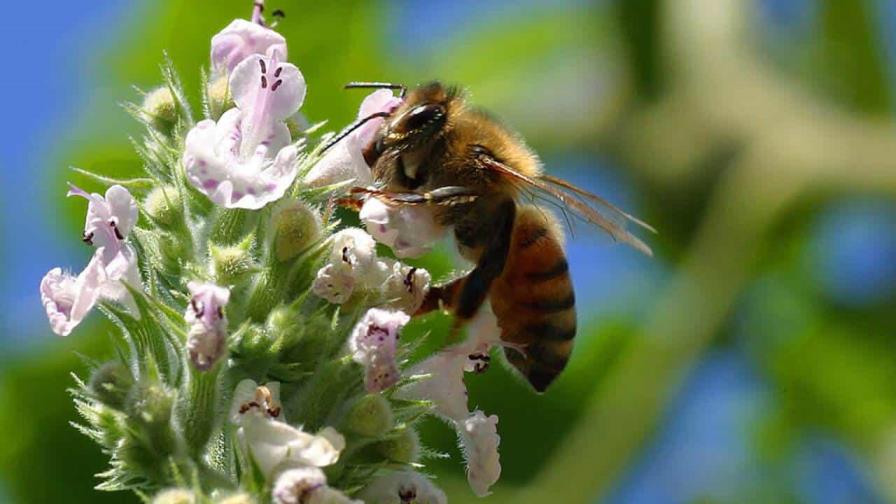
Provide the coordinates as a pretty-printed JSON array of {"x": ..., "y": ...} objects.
[
  {"x": 448, "y": 195},
  {"x": 463, "y": 296},
  {"x": 491, "y": 263}
]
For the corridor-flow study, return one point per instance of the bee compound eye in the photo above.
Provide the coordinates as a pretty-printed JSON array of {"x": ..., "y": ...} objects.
[{"x": 423, "y": 115}]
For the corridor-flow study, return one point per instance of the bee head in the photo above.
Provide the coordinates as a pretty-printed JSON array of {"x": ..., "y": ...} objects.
[{"x": 423, "y": 116}]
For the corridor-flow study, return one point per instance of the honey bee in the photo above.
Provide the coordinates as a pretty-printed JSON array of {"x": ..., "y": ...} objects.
[{"x": 476, "y": 175}]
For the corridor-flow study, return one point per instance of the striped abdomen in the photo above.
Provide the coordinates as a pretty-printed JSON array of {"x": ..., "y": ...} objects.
[{"x": 533, "y": 299}]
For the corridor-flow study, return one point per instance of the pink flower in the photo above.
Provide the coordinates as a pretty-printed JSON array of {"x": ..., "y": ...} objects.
[
  {"x": 345, "y": 160},
  {"x": 410, "y": 231},
  {"x": 373, "y": 344},
  {"x": 68, "y": 298},
  {"x": 208, "y": 325},
  {"x": 245, "y": 160},
  {"x": 241, "y": 39}
]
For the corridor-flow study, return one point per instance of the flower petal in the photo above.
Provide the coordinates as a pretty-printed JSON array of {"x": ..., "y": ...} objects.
[
  {"x": 381, "y": 100},
  {"x": 344, "y": 162},
  {"x": 410, "y": 231},
  {"x": 68, "y": 299},
  {"x": 479, "y": 439},
  {"x": 268, "y": 87},
  {"x": 228, "y": 180},
  {"x": 402, "y": 487},
  {"x": 443, "y": 384},
  {"x": 240, "y": 39},
  {"x": 373, "y": 344}
]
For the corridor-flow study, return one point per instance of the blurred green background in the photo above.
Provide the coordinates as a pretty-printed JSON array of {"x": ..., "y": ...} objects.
[{"x": 752, "y": 360}]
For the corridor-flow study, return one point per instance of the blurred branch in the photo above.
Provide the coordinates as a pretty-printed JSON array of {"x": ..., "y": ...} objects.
[{"x": 792, "y": 145}]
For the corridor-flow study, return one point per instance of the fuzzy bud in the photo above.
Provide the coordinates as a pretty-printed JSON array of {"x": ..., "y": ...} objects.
[
  {"x": 151, "y": 405},
  {"x": 164, "y": 205},
  {"x": 219, "y": 97},
  {"x": 239, "y": 498},
  {"x": 174, "y": 496},
  {"x": 160, "y": 109},
  {"x": 370, "y": 416},
  {"x": 110, "y": 383},
  {"x": 296, "y": 226},
  {"x": 232, "y": 263},
  {"x": 404, "y": 448}
]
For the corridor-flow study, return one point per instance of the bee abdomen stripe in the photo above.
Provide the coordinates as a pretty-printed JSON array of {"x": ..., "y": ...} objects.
[
  {"x": 560, "y": 268},
  {"x": 533, "y": 237},
  {"x": 551, "y": 332},
  {"x": 553, "y": 305}
]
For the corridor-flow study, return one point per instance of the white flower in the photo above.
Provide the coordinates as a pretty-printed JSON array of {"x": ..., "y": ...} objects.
[
  {"x": 352, "y": 263},
  {"x": 442, "y": 383},
  {"x": 403, "y": 487},
  {"x": 479, "y": 440},
  {"x": 334, "y": 284},
  {"x": 208, "y": 325},
  {"x": 306, "y": 485},
  {"x": 241, "y": 39},
  {"x": 245, "y": 160},
  {"x": 409, "y": 230},
  {"x": 373, "y": 344},
  {"x": 68, "y": 298},
  {"x": 404, "y": 287},
  {"x": 354, "y": 250},
  {"x": 345, "y": 161},
  {"x": 294, "y": 486},
  {"x": 264, "y": 434}
]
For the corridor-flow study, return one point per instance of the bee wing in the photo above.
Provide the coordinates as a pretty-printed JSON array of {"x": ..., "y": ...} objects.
[{"x": 603, "y": 215}]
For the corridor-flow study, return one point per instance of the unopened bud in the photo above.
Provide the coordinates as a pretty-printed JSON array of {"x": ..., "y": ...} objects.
[
  {"x": 232, "y": 263},
  {"x": 296, "y": 227},
  {"x": 370, "y": 416},
  {"x": 150, "y": 405},
  {"x": 164, "y": 205},
  {"x": 110, "y": 383},
  {"x": 219, "y": 97},
  {"x": 240, "y": 498},
  {"x": 160, "y": 109},
  {"x": 174, "y": 496},
  {"x": 404, "y": 448}
]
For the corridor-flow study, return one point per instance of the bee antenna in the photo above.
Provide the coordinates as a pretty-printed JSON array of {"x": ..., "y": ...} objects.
[
  {"x": 378, "y": 85},
  {"x": 352, "y": 127}
]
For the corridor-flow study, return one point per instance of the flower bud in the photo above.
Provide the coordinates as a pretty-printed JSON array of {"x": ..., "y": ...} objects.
[
  {"x": 110, "y": 383},
  {"x": 164, "y": 205},
  {"x": 174, "y": 496},
  {"x": 238, "y": 498},
  {"x": 370, "y": 416},
  {"x": 296, "y": 226},
  {"x": 404, "y": 448},
  {"x": 160, "y": 109},
  {"x": 219, "y": 97},
  {"x": 151, "y": 406},
  {"x": 232, "y": 263}
]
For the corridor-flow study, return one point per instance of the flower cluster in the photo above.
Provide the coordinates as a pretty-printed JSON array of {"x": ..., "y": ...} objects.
[{"x": 227, "y": 271}]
